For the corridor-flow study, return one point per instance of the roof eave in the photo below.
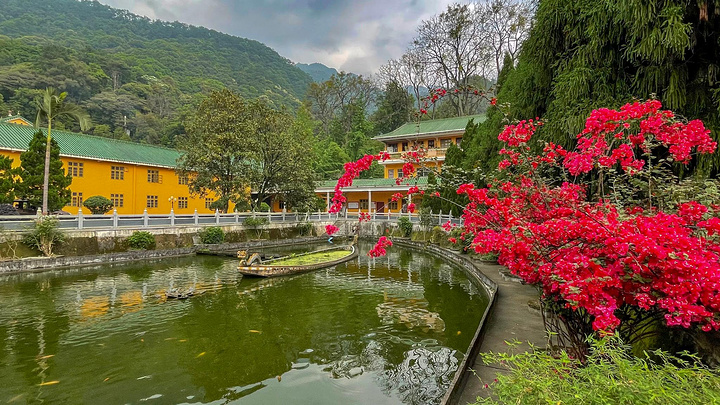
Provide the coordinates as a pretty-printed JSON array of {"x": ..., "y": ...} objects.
[{"x": 418, "y": 135}]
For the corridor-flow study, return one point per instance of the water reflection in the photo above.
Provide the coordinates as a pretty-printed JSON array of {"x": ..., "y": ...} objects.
[{"x": 388, "y": 330}]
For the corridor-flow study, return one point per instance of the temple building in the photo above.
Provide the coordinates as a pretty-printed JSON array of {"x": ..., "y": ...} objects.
[
  {"x": 134, "y": 176},
  {"x": 375, "y": 195}
]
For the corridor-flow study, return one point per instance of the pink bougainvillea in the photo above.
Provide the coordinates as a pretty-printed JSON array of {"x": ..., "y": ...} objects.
[
  {"x": 331, "y": 229},
  {"x": 594, "y": 255},
  {"x": 379, "y": 248}
]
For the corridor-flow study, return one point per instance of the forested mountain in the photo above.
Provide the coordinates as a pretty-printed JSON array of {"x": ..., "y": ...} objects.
[
  {"x": 137, "y": 77},
  {"x": 319, "y": 72}
]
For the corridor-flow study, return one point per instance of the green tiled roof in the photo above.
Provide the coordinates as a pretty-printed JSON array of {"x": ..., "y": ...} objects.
[
  {"x": 18, "y": 137},
  {"x": 432, "y": 126},
  {"x": 363, "y": 183}
]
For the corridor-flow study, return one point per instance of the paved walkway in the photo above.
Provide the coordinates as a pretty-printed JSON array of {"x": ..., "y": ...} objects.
[{"x": 510, "y": 319}]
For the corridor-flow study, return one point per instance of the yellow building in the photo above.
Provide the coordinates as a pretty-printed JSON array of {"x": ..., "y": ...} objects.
[
  {"x": 375, "y": 195},
  {"x": 134, "y": 176}
]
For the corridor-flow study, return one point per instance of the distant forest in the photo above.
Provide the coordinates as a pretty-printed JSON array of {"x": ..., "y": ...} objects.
[{"x": 139, "y": 79}]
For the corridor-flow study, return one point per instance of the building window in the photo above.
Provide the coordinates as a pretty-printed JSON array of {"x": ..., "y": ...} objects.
[
  {"x": 445, "y": 143},
  {"x": 77, "y": 199},
  {"x": 152, "y": 201},
  {"x": 183, "y": 179},
  {"x": 364, "y": 204},
  {"x": 182, "y": 202},
  {"x": 458, "y": 141},
  {"x": 75, "y": 169},
  {"x": 391, "y": 173},
  {"x": 431, "y": 143},
  {"x": 405, "y": 147},
  {"x": 118, "y": 200},
  {"x": 153, "y": 176},
  {"x": 392, "y": 147},
  {"x": 400, "y": 173},
  {"x": 117, "y": 172},
  {"x": 208, "y": 202},
  {"x": 393, "y": 205}
]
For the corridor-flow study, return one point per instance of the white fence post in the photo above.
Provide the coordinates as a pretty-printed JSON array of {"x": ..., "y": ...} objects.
[
  {"x": 145, "y": 218},
  {"x": 195, "y": 217},
  {"x": 237, "y": 217},
  {"x": 115, "y": 218},
  {"x": 172, "y": 217},
  {"x": 80, "y": 219},
  {"x": 217, "y": 216},
  {"x": 269, "y": 216},
  {"x": 440, "y": 218}
]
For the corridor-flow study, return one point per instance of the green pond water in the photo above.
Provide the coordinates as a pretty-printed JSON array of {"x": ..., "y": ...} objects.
[{"x": 390, "y": 330}]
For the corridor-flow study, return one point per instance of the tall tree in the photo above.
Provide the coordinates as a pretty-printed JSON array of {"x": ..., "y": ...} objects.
[
  {"x": 215, "y": 147},
  {"x": 509, "y": 23},
  {"x": 49, "y": 107},
  {"x": 278, "y": 161},
  {"x": 584, "y": 55},
  {"x": 456, "y": 46},
  {"x": 32, "y": 172},
  {"x": 7, "y": 180},
  {"x": 395, "y": 107},
  {"x": 329, "y": 100}
]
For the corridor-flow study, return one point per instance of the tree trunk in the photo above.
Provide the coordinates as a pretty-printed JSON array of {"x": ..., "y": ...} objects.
[{"x": 46, "y": 176}]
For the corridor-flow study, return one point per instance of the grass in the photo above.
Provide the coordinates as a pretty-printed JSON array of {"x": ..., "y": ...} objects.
[{"x": 312, "y": 258}]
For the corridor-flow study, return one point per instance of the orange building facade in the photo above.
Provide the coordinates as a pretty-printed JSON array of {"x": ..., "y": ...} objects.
[
  {"x": 135, "y": 177},
  {"x": 375, "y": 195}
]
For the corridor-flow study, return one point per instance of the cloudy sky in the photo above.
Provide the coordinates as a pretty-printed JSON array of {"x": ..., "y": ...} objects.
[{"x": 352, "y": 35}]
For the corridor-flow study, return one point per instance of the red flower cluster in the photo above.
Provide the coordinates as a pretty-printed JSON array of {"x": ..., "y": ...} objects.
[
  {"x": 607, "y": 138},
  {"x": 352, "y": 171},
  {"x": 364, "y": 217},
  {"x": 587, "y": 254},
  {"x": 331, "y": 229},
  {"x": 379, "y": 248}
]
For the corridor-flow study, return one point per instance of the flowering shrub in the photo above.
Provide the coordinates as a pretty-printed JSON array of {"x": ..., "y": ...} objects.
[
  {"x": 595, "y": 256},
  {"x": 591, "y": 255},
  {"x": 331, "y": 229},
  {"x": 379, "y": 248}
]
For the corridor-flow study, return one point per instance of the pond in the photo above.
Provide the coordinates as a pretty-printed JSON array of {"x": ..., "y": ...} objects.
[{"x": 390, "y": 330}]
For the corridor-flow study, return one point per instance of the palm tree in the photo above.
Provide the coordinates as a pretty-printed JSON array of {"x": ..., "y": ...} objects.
[{"x": 52, "y": 105}]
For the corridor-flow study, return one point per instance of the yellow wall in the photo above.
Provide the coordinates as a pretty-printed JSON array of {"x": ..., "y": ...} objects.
[
  {"x": 18, "y": 121},
  {"x": 135, "y": 188}
]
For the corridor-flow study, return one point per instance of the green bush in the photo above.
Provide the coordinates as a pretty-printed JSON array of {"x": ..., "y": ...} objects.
[
  {"x": 255, "y": 222},
  {"x": 98, "y": 204},
  {"x": 44, "y": 235},
  {"x": 141, "y": 240},
  {"x": 242, "y": 206},
  {"x": 212, "y": 235},
  {"x": 264, "y": 207},
  {"x": 612, "y": 375},
  {"x": 304, "y": 229},
  {"x": 405, "y": 226}
]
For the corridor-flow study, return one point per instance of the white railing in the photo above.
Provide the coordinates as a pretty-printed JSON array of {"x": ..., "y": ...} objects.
[{"x": 145, "y": 220}]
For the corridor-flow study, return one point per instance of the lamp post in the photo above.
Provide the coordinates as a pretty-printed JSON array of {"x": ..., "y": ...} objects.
[{"x": 172, "y": 203}]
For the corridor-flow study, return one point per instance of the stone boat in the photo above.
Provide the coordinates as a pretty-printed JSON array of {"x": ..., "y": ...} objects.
[{"x": 275, "y": 267}]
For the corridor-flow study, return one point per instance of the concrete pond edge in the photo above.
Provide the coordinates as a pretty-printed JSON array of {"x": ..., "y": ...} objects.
[
  {"x": 480, "y": 280},
  {"x": 35, "y": 264}
]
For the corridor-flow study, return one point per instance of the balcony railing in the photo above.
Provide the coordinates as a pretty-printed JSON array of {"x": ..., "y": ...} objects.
[{"x": 435, "y": 153}]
